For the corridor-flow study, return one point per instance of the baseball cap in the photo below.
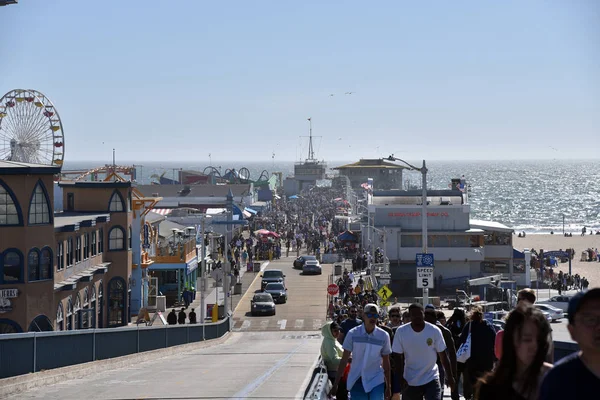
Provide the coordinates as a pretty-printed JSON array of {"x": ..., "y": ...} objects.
[
  {"x": 430, "y": 307},
  {"x": 579, "y": 300},
  {"x": 371, "y": 308}
]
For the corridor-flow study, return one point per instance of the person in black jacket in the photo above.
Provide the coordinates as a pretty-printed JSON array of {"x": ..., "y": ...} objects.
[
  {"x": 483, "y": 337},
  {"x": 192, "y": 317},
  {"x": 456, "y": 324},
  {"x": 172, "y": 318},
  {"x": 181, "y": 317}
]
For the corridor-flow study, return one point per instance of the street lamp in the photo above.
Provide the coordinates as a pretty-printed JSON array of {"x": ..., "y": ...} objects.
[{"x": 423, "y": 171}]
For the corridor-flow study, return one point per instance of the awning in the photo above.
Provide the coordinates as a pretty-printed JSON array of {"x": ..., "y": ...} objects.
[
  {"x": 83, "y": 276},
  {"x": 214, "y": 211},
  {"x": 162, "y": 211},
  {"x": 250, "y": 210},
  {"x": 518, "y": 254}
]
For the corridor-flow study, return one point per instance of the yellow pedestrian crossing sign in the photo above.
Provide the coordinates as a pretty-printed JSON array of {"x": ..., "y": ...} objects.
[
  {"x": 384, "y": 303},
  {"x": 384, "y": 293}
]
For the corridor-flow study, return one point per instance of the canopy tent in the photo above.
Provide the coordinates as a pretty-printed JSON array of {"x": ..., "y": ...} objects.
[
  {"x": 347, "y": 236},
  {"x": 265, "y": 232},
  {"x": 518, "y": 254},
  {"x": 293, "y": 197}
]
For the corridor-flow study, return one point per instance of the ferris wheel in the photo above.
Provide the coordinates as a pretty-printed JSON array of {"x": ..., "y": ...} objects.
[{"x": 30, "y": 129}]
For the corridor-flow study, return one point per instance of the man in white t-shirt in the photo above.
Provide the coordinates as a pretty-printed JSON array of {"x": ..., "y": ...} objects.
[
  {"x": 370, "y": 348},
  {"x": 416, "y": 347}
]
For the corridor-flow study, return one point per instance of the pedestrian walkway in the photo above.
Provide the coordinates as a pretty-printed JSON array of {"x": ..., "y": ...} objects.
[{"x": 215, "y": 295}]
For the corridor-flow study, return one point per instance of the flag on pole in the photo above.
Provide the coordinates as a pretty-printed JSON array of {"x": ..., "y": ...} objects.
[{"x": 309, "y": 118}]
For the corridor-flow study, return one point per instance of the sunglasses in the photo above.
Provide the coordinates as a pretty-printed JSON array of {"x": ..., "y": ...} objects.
[
  {"x": 394, "y": 315},
  {"x": 372, "y": 315}
]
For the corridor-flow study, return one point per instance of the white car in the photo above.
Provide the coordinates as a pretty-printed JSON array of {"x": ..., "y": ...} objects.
[
  {"x": 561, "y": 302},
  {"x": 555, "y": 313}
]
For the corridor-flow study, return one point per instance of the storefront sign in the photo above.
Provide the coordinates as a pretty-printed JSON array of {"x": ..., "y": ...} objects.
[
  {"x": 5, "y": 295},
  {"x": 417, "y": 214}
]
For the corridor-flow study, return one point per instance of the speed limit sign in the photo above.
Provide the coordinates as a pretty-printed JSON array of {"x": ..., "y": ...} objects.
[{"x": 425, "y": 278}]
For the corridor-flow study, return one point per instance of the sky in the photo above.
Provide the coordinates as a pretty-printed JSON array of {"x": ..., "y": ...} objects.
[{"x": 437, "y": 80}]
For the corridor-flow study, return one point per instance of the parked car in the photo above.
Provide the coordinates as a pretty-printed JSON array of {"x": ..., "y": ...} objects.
[
  {"x": 555, "y": 313},
  {"x": 261, "y": 304},
  {"x": 312, "y": 267},
  {"x": 547, "y": 315},
  {"x": 277, "y": 291},
  {"x": 561, "y": 302},
  {"x": 299, "y": 262},
  {"x": 271, "y": 276}
]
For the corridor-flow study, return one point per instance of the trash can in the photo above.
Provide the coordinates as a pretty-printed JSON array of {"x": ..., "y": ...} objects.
[
  {"x": 237, "y": 289},
  {"x": 256, "y": 267},
  {"x": 161, "y": 303},
  {"x": 221, "y": 312},
  {"x": 337, "y": 269}
]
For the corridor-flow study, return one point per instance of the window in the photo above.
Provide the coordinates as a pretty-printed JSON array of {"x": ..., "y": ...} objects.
[
  {"x": 39, "y": 206},
  {"x": 69, "y": 252},
  {"x": 60, "y": 318},
  {"x": 85, "y": 320},
  {"x": 46, "y": 264},
  {"x": 116, "y": 238},
  {"x": 70, "y": 201},
  {"x": 11, "y": 266},
  {"x": 116, "y": 203},
  {"x": 94, "y": 248},
  {"x": 86, "y": 246},
  {"x": 10, "y": 212},
  {"x": 60, "y": 256},
  {"x": 100, "y": 304},
  {"x": 76, "y": 309},
  {"x": 101, "y": 241},
  {"x": 33, "y": 264},
  {"x": 93, "y": 307},
  {"x": 78, "y": 249},
  {"x": 69, "y": 315},
  {"x": 129, "y": 238},
  {"x": 129, "y": 201},
  {"x": 116, "y": 302}
]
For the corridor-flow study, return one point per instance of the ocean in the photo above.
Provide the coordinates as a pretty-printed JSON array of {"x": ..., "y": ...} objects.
[{"x": 530, "y": 196}]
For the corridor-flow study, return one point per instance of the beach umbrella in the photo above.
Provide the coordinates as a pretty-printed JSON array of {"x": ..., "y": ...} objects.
[
  {"x": 261, "y": 232},
  {"x": 293, "y": 197}
]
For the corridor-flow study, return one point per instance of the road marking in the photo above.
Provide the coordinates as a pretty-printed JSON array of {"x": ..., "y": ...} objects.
[
  {"x": 317, "y": 324},
  {"x": 245, "y": 325},
  {"x": 248, "y": 292},
  {"x": 264, "y": 324},
  {"x": 299, "y": 324},
  {"x": 252, "y": 386},
  {"x": 282, "y": 323}
]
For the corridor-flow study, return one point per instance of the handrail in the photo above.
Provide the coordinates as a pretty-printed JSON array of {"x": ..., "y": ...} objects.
[{"x": 319, "y": 385}]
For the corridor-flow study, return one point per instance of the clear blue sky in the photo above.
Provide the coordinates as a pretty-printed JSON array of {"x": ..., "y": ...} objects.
[{"x": 175, "y": 80}]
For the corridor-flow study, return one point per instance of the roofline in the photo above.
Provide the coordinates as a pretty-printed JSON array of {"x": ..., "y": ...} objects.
[
  {"x": 115, "y": 184},
  {"x": 22, "y": 170}
]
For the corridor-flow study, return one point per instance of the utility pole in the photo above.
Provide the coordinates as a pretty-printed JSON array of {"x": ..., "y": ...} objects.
[{"x": 424, "y": 224}]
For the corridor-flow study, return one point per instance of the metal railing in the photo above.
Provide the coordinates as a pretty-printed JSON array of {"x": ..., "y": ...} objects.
[{"x": 24, "y": 353}]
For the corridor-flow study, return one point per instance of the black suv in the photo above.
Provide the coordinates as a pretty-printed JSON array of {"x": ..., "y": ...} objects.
[{"x": 271, "y": 276}]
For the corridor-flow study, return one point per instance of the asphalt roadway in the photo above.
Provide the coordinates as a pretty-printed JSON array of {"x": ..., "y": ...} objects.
[{"x": 264, "y": 357}]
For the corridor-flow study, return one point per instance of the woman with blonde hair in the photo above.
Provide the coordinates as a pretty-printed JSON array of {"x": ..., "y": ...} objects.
[{"x": 525, "y": 345}]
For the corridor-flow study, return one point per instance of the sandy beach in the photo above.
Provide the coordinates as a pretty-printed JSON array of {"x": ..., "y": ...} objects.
[{"x": 590, "y": 270}]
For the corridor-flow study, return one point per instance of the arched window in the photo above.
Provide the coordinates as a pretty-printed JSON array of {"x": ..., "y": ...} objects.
[
  {"x": 76, "y": 309},
  {"x": 10, "y": 211},
  {"x": 116, "y": 203},
  {"x": 39, "y": 206},
  {"x": 116, "y": 238},
  {"x": 9, "y": 326},
  {"x": 33, "y": 265},
  {"x": 101, "y": 304},
  {"x": 69, "y": 315},
  {"x": 60, "y": 317},
  {"x": 11, "y": 267},
  {"x": 130, "y": 238},
  {"x": 93, "y": 305},
  {"x": 41, "y": 323},
  {"x": 86, "y": 304},
  {"x": 116, "y": 302},
  {"x": 46, "y": 264}
]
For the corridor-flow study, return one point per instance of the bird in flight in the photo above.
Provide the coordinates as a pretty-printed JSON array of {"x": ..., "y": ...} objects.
[
  {"x": 348, "y": 92},
  {"x": 331, "y": 95}
]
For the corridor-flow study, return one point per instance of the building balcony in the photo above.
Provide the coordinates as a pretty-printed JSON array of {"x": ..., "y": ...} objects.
[
  {"x": 445, "y": 253},
  {"x": 498, "y": 251},
  {"x": 175, "y": 252}
]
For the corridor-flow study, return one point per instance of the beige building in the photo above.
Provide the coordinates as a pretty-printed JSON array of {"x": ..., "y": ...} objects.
[
  {"x": 385, "y": 174},
  {"x": 62, "y": 270}
]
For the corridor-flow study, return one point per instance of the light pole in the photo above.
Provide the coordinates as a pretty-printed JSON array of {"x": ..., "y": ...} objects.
[{"x": 423, "y": 171}]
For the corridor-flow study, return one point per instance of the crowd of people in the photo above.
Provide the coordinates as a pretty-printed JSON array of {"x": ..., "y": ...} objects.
[{"x": 412, "y": 355}]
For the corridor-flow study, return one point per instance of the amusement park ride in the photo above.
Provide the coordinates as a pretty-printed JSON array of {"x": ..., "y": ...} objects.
[{"x": 31, "y": 131}]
